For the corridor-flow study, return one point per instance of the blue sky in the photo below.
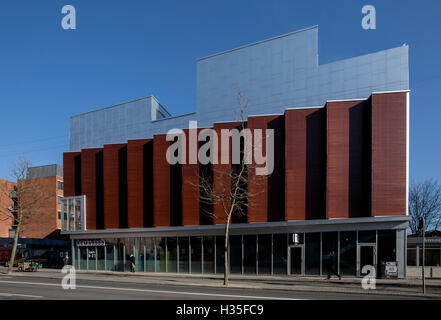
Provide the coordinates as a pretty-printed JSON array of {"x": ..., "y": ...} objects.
[{"x": 123, "y": 50}]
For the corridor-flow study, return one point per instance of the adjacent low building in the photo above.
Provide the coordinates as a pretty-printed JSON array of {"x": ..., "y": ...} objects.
[{"x": 339, "y": 183}]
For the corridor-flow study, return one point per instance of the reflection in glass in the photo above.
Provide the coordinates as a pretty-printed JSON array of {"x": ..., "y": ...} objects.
[
  {"x": 367, "y": 236},
  {"x": 279, "y": 253},
  {"x": 348, "y": 253},
  {"x": 119, "y": 255},
  {"x": 220, "y": 254},
  {"x": 411, "y": 257},
  {"x": 149, "y": 255},
  {"x": 208, "y": 254},
  {"x": 431, "y": 257},
  {"x": 172, "y": 255},
  {"x": 77, "y": 214},
  {"x": 100, "y": 257},
  {"x": 83, "y": 258},
  {"x": 264, "y": 253},
  {"x": 249, "y": 254},
  {"x": 386, "y": 247},
  {"x": 139, "y": 254},
  {"x": 183, "y": 254},
  {"x": 160, "y": 254},
  {"x": 329, "y": 243},
  {"x": 312, "y": 253},
  {"x": 110, "y": 265},
  {"x": 236, "y": 254},
  {"x": 196, "y": 254}
]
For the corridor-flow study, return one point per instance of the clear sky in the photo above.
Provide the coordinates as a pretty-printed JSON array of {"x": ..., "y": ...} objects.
[{"x": 122, "y": 50}]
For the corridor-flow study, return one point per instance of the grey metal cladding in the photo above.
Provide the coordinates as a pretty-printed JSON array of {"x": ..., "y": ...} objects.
[
  {"x": 52, "y": 170},
  {"x": 274, "y": 74}
]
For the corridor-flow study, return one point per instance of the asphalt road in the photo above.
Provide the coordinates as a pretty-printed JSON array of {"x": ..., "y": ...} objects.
[{"x": 25, "y": 287}]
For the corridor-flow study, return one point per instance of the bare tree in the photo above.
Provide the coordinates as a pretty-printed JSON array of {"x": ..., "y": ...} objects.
[
  {"x": 28, "y": 196},
  {"x": 231, "y": 192},
  {"x": 425, "y": 202}
]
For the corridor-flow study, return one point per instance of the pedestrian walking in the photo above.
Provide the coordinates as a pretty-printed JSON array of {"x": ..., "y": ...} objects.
[
  {"x": 331, "y": 265},
  {"x": 132, "y": 263}
]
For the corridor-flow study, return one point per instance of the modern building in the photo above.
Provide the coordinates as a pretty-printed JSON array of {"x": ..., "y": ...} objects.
[{"x": 339, "y": 183}]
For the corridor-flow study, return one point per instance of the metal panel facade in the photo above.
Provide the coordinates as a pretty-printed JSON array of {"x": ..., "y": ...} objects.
[{"x": 275, "y": 74}]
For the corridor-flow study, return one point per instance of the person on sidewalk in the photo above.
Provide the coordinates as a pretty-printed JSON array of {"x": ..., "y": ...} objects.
[
  {"x": 331, "y": 264},
  {"x": 132, "y": 263}
]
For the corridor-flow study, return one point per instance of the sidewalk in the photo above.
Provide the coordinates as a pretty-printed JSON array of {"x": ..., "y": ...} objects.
[{"x": 395, "y": 287}]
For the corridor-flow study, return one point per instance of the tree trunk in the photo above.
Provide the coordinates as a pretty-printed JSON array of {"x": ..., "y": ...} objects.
[
  {"x": 226, "y": 270},
  {"x": 14, "y": 247}
]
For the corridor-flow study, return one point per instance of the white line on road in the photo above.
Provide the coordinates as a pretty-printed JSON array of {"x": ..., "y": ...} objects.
[
  {"x": 5, "y": 294},
  {"x": 156, "y": 291}
]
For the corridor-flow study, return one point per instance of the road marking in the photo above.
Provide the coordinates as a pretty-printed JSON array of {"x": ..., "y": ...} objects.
[
  {"x": 157, "y": 291},
  {"x": 4, "y": 294}
]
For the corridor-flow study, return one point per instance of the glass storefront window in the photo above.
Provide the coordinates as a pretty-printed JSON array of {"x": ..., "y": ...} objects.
[
  {"x": 129, "y": 244},
  {"x": 236, "y": 254},
  {"x": 76, "y": 257},
  {"x": 208, "y": 254},
  {"x": 348, "y": 253},
  {"x": 110, "y": 265},
  {"x": 312, "y": 254},
  {"x": 160, "y": 254},
  {"x": 367, "y": 236},
  {"x": 100, "y": 257},
  {"x": 119, "y": 255},
  {"x": 220, "y": 254},
  {"x": 387, "y": 242},
  {"x": 172, "y": 255},
  {"x": 149, "y": 255},
  {"x": 91, "y": 254},
  {"x": 431, "y": 258},
  {"x": 411, "y": 256},
  {"x": 83, "y": 258},
  {"x": 196, "y": 254},
  {"x": 139, "y": 254},
  {"x": 249, "y": 254},
  {"x": 280, "y": 242},
  {"x": 329, "y": 243},
  {"x": 183, "y": 254},
  {"x": 264, "y": 254}
]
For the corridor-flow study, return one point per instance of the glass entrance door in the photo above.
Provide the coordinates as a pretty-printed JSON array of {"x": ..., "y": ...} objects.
[
  {"x": 366, "y": 257},
  {"x": 295, "y": 260}
]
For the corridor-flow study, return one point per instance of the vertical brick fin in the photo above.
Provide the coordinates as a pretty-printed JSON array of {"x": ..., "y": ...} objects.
[
  {"x": 348, "y": 158},
  {"x": 69, "y": 173},
  {"x": 78, "y": 170},
  {"x": 99, "y": 189},
  {"x": 111, "y": 170},
  {"x": 89, "y": 185},
  {"x": 135, "y": 182},
  {"x": 148, "y": 184},
  {"x": 221, "y": 178},
  {"x": 123, "y": 189},
  {"x": 190, "y": 189},
  {"x": 161, "y": 182},
  {"x": 389, "y": 139},
  {"x": 305, "y": 150},
  {"x": 266, "y": 194}
]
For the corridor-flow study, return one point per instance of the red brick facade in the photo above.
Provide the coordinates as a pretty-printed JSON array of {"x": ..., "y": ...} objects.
[{"x": 347, "y": 159}]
